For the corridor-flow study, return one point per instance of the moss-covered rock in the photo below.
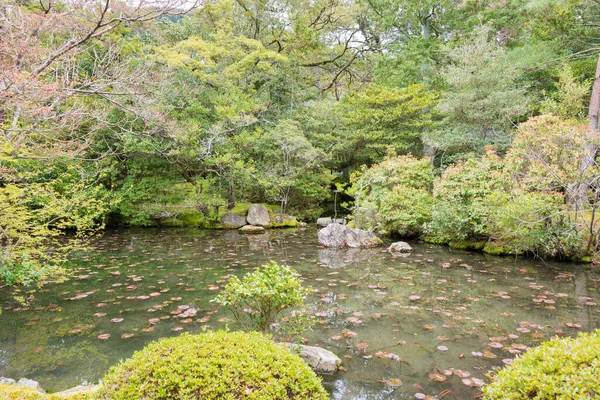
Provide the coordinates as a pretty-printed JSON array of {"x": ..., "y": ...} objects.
[
  {"x": 564, "y": 368},
  {"x": 231, "y": 220},
  {"x": 434, "y": 240},
  {"x": 497, "y": 249},
  {"x": 213, "y": 365},
  {"x": 466, "y": 245},
  {"x": 283, "y": 221},
  {"x": 186, "y": 217}
]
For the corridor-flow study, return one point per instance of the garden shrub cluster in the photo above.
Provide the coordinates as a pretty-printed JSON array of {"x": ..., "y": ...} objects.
[
  {"x": 516, "y": 203},
  {"x": 393, "y": 196},
  {"x": 213, "y": 365},
  {"x": 566, "y": 368}
]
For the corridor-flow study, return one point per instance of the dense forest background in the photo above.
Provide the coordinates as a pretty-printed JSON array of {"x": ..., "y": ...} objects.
[{"x": 462, "y": 122}]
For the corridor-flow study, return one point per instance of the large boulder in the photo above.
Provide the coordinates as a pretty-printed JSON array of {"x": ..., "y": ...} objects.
[
  {"x": 320, "y": 360},
  {"x": 341, "y": 236},
  {"x": 232, "y": 220},
  {"x": 258, "y": 214},
  {"x": 8, "y": 381},
  {"x": 400, "y": 247}
]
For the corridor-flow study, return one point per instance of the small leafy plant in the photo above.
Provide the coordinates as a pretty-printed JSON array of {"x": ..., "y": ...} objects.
[{"x": 270, "y": 297}]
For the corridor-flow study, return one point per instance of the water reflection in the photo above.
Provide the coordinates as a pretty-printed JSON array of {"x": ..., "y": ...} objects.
[{"x": 402, "y": 325}]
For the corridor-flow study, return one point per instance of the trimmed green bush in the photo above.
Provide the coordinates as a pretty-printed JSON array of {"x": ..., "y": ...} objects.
[
  {"x": 558, "y": 369},
  {"x": 213, "y": 365}
]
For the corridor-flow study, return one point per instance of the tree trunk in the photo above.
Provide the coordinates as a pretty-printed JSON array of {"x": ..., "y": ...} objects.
[
  {"x": 594, "y": 108},
  {"x": 590, "y": 149}
]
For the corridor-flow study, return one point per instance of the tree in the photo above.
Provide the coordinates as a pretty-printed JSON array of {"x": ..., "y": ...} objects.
[
  {"x": 378, "y": 118},
  {"x": 288, "y": 158},
  {"x": 63, "y": 68},
  {"x": 484, "y": 100}
]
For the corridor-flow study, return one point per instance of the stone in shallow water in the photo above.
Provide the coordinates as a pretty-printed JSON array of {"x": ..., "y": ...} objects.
[
  {"x": 399, "y": 247},
  {"x": 252, "y": 229},
  {"x": 340, "y": 236},
  {"x": 320, "y": 360}
]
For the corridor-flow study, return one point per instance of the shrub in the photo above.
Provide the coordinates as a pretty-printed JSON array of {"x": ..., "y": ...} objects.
[
  {"x": 273, "y": 294},
  {"x": 559, "y": 369},
  {"x": 460, "y": 208},
  {"x": 534, "y": 222},
  {"x": 213, "y": 365},
  {"x": 393, "y": 196}
]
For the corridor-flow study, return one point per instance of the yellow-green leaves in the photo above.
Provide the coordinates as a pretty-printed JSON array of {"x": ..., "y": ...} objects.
[{"x": 559, "y": 369}]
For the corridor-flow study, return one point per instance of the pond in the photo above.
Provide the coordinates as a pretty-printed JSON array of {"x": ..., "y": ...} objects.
[{"x": 428, "y": 324}]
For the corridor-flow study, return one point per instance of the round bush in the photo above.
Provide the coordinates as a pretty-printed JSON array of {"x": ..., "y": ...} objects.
[
  {"x": 213, "y": 365},
  {"x": 559, "y": 369}
]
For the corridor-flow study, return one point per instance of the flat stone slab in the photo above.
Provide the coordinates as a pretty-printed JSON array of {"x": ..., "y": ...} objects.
[
  {"x": 320, "y": 360},
  {"x": 251, "y": 229}
]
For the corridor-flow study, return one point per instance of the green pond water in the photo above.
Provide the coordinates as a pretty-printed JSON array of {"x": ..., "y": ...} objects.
[{"x": 431, "y": 323}]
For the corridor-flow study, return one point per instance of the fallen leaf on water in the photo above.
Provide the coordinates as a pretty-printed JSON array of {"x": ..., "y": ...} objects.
[
  {"x": 392, "y": 356},
  {"x": 437, "y": 377},
  {"x": 394, "y": 382}
]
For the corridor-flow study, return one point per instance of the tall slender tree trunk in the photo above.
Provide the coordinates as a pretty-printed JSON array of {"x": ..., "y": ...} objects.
[
  {"x": 580, "y": 189},
  {"x": 428, "y": 150},
  {"x": 594, "y": 108}
]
